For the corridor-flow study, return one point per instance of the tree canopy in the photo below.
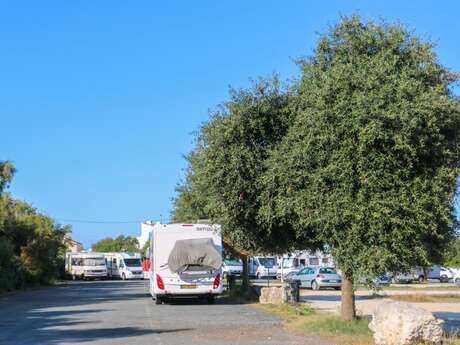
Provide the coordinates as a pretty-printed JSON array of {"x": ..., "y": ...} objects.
[
  {"x": 32, "y": 245},
  {"x": 119, "y": 244},
  {"x": 359, "y": 157}
]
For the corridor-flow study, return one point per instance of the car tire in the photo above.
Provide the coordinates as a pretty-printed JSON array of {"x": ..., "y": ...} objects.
[
  {"x": 158, "y": 300},
  {"x": 74, "y": 277},
  {"x": 210, "y": 299},
  {"x": 457, "y": 281},
  {"x": 123, "y": 277},
  {"x": 421, "y": 279},
  {"x": 314, "y": 285},
  {"x": 444, "y": 279},
  {"x": 258, "y": 275}
]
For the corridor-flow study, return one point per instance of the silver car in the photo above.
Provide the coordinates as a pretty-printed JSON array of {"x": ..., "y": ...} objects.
[{"x": 318, "y": 277}]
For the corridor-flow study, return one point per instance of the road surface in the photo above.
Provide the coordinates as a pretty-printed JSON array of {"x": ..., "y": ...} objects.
[{"x": 120, "y": 312}]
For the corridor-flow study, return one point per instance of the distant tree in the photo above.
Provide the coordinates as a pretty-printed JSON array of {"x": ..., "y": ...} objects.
[
  {"x": 118, "y": 244},
  {"x": 145, "y": 248},
  {"x": 371, "y": 161}
]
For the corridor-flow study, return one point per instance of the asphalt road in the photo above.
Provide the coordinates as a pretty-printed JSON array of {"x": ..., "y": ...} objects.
[{"x": 119, "y": 312}]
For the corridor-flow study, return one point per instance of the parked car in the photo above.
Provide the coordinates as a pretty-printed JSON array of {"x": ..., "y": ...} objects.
[
  {"x": 232, "y": 267},
  {"x": 318, "y": 277},
  {"x": 446, "y": 274},
  {"x": 291, "y": 275},
  {"x": 381, "y": 279},
  {"x": 288, "y": 265},
  {"x": 456, "y": 278},
  {"x": 403, "y": 277}
]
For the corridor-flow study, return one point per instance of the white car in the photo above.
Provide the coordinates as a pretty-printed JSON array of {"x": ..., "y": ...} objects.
[
  {"x": 232, "y": 267},
  {"x": 457, "y": 278},
  {"x": 446, "y": 275}
]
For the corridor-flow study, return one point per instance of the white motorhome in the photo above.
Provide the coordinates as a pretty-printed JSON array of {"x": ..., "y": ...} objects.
[
  {"x": 85, "y": 265},
  {"x": 288, "y": 265},
  {"x": 124, "y": 265},
  {"x": 186, "y": 261},
  {"x": 263, "y": 266}
]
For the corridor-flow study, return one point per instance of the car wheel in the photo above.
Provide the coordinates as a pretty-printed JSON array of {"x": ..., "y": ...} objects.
[
  {"x": 421, "y": 279},
  {"x": 314, "y": 285},
  {"x": 258, "y": 275},
  {"x": 74, "y": 277},
  {"x": 457, "y": 281},
  {"x": 444, "y": 279},
  {"x": 123, "y": 277}
]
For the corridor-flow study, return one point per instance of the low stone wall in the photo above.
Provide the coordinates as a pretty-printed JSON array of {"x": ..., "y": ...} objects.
[
  {"x": 288, "y": 293},
  {"x": 272, "y": 295}
]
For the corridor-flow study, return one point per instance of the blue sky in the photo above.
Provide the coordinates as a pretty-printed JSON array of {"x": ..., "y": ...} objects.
[{"x": 99, "y": 99}]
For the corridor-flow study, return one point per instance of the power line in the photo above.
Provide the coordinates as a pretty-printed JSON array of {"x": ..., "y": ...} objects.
[{"x": 100, "y": 221}]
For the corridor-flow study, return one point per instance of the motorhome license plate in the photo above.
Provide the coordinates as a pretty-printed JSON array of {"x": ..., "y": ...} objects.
[{"x": 188, "y": 286}]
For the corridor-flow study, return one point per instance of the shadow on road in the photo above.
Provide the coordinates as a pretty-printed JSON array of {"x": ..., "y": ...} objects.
[{"x": 52, "y": 316}]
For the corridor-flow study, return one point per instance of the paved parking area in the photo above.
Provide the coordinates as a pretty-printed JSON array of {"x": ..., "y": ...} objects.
[{"x": 120, "y": 313}]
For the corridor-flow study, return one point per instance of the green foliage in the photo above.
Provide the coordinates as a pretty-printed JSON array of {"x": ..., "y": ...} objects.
[
  {"x": 453, "y": 256},
  {"x": 223, "y": 180},
  {"x": 361, "y": 157},
  {"x": 7, "y": 171},
  {"x": 371, "y": 161},
  {"x": 32, "y": 245},
  {"x": 145, "y": 248},
  {"x": 118, "y": 244}
]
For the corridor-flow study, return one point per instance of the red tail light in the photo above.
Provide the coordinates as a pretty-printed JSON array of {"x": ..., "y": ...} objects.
[
  {"x": 160, "y": 283},
  {"x": 216, "y": 281},
  {"x": 320, "y": 276}
]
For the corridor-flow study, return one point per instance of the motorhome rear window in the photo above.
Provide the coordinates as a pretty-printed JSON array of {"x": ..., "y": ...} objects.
[
  {"x": 267, "y": 262},
  {"x": 133, "y": 262}
]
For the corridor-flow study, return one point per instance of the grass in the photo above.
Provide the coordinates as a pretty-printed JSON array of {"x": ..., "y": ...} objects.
[
  {"x": 302, "y": 319},
  {"x": 410, "y": 287},
  {"x": 423, "y": 298}
]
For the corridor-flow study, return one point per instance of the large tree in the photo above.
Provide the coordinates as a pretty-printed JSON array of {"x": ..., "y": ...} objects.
[{"x": 371, "y": 161}]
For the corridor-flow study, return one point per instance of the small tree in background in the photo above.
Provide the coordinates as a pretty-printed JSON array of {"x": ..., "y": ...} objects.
[
  {"x": 372, "y": 159},
  {"x": 119, "y": 244}
]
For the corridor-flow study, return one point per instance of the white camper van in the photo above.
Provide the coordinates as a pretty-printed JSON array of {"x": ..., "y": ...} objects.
[
  {"x": 124, "y": 265},
  {"x": 263, "y": 267},
  {"x": 186, "y": 261},
  {"x": 85, "y": 265}
]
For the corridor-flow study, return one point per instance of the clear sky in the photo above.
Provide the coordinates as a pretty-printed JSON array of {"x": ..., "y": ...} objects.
[{"x": 99, "y": 99}]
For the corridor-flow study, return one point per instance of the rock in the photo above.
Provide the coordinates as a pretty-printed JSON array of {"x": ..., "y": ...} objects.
[
  {"x": 272, "y": 295},
  {"x": 289, "y": 293},
  {"x": 398, "y": 323}
]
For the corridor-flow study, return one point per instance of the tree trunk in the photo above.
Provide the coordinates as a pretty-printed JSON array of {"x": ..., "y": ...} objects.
[
  {"x": 245, "y": 283},
  {"x": 348, "y": 310}
]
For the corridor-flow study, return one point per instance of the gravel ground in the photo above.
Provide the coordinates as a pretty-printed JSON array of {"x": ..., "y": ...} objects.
[{"x": 118, "y": 312}]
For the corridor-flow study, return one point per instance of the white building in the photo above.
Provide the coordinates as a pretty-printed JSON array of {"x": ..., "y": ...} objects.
[{"x": 146, "y": 233}]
